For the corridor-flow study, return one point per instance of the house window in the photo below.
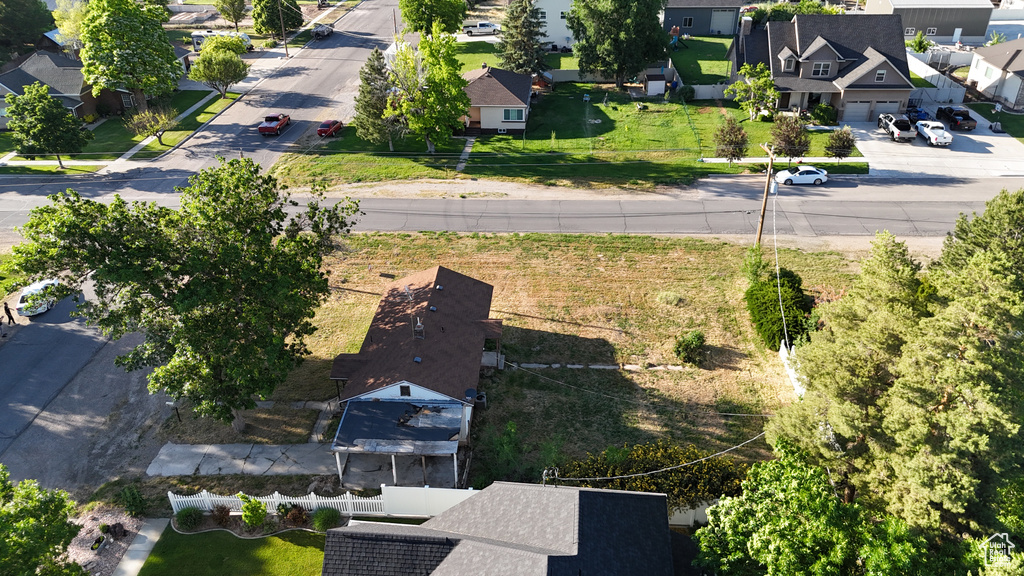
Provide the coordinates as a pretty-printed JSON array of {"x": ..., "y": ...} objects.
[
  {"x": 931, "y": 32},
  {"x": 788, "y": 67},
  {"x": 988, "y": 72},
  {"x": 909, "y": 32},
  {"x": 126, "y": 100},
  {"x": 821, "y": 69},
  {"x": 542, "y": 14},
  {"x": 562, "y": 15},
  {"x": 403, "y": 390},
  {"x": 513, "y": 115},
  {"x": 687, "y": 22},
  {"x": 879, "y": 75}
]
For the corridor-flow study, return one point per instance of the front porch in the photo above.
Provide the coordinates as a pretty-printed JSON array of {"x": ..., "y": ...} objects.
[{"x": 798, "y": 101}]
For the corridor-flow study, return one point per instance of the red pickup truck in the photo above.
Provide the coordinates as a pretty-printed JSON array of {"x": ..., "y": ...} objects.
[{"x": 274, "y": 123}]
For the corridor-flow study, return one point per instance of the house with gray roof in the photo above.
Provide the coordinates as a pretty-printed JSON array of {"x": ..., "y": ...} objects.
[
  {"x": 856, "y": 63},
  {"x": 64, "y": 80},
  {"x": 999, "y": 72},
  {"x": 941, "y": 21},
  {"x": 499, "y": 101},
  {"x": 703, "y": 17},
  {"x": 511, "y": 529}
]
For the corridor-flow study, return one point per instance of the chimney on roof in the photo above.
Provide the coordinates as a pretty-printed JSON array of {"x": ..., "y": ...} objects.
[{"x": 746, "y": 25}]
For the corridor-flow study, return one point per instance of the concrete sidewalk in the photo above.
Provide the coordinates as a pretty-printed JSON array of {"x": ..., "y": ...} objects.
[
  {"x": 140, "y": 547},
  {"x": 252, "y": 459}
]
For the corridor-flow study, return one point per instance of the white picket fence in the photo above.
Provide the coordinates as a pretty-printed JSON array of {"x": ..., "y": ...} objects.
[{"x": 393, "y": 501}]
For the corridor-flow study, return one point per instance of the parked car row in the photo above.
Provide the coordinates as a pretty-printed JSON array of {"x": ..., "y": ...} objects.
[{"x": 903, "y": 128}]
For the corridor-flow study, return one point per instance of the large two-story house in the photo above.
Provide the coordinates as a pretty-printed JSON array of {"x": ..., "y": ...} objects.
[{"x": 857, "y": 63}]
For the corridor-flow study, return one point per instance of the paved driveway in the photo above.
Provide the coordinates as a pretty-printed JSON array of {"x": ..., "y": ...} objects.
[{"x": 977, "y": 154}]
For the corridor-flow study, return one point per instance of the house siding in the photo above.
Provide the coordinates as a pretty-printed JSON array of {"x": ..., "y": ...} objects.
[
  {"x": 946, "y": 19},
  {"x": 701, "y": 21},
  {"x": 1000, "y": 85},
  {"x": 492, "y": 118},
  {"x": 555, "y": 29}
]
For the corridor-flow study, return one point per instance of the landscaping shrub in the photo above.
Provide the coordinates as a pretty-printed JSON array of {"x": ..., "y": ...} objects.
[
  {"x": 104, "y": 528},
  {"x": 762, "y": 301},
  {"x": 221, "y": 514},
  {"x": 689, "y": 346},
  {"x": 189, "y": 518},
  {"x": 670, "y": 298},
  {"x": 824, "y": 115},
  {"x": 271, "y": 525},
  {"x": 297, "y": 515},
  {"x": 283, "y": 508},
  {"x": 254, "y": 512},
  {"x": 687, "y": 92},
  {"x": 754, "y": 266},
  {"x": 133, "y": 501},
  {"x": 326, "y": 518}
]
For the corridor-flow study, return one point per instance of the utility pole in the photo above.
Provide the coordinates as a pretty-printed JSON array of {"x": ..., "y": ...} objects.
[
  {"x": 767, "y": 187},
  {"x": 284, "y": 36}
]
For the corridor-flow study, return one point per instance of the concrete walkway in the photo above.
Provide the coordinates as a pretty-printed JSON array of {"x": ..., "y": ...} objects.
[
  {"x": 140, "y": 547},
  {"x": 252, "y": 459},
  {"x": 465, "y": 154}
]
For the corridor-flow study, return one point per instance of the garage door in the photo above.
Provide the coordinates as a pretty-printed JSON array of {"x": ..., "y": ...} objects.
[
  {"x": 856, "y": 112},
  {"x": 723, "y": 22},
  {"x": 887, "y": 108}
]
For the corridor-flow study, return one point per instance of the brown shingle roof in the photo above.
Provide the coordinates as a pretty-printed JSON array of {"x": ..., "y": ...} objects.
[
  {"x": 497, "y": 87},
  {"x": 452, "y": 343}
]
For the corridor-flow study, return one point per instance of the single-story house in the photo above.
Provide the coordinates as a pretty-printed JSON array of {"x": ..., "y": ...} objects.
[
  {"x": 553, "y": 15},
  {"x": 703, "y": 17},
  {"x": 999, "y": 72},
  {"x": 856, "y": 63},
  {"x": 515, "y": 529},
  {"x": 63, "y": 77},
  {"x": 499, "y": 101},
  {"x": 411, "y": 389},
  {"x": 941, "y": 21}
]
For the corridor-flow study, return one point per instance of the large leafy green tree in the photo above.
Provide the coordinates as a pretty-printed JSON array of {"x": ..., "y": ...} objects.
[
  {"x": 788, "y": 520},
  {"x": 421, "y": 15},
  {"x": 231, "y": 10},
  {"x": 42, "y": 125},
  {"x": 22, "y": 22},
  {"x": 617, "y": 38},
  {"x": 267, "y": 16},
  {"x": 522, "y": 31},
  {"x": 124, "y": 46},
  {"x": 756, "y": 92},
  {"x": 429, "y": 89},
  {"x": 35, "y": 529},
  {"x": 218, "y": 69},
  {"x": 223, "y": 289},
  {"x": 69, "y": 16},
  {"x": 371, "y": 120}
]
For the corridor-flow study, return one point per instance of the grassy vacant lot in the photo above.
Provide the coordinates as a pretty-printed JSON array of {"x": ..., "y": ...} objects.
[
  {"x": 475, "y": 53},
  {"x": 702, "y": 60},
  {"x": 582, "y": 299},
  {"x": 289, "y": 554},
  {"x": 1012, "y": 123}
]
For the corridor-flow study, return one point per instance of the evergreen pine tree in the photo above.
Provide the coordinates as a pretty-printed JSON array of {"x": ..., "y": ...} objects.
[
  {"x": 372, "y": 101},
  {"x": 520, "y": 47}
]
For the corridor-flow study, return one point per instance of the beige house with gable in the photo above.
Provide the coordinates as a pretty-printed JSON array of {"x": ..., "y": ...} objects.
[{"x": 499, "y": 101}]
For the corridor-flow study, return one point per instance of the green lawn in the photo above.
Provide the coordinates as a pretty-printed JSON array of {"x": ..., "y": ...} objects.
[
  {"x": 188, "y": 125},
  {"x": 219, "y": 553},
  {"x": 6, "y": 141},
  {"x": 1012, "y": 123},
  {"x": 920, "y": 82},
  {"x": 48, "y": 169},
  {"x": 474, "y": 54},
  {"x": 703, "y": 60}
]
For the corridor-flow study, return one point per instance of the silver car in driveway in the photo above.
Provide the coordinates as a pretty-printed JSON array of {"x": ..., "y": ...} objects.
[{"x": 802, "y": 175}]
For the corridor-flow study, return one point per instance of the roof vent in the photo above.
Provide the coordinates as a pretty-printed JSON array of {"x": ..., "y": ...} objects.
[
  {"x": 417, "y": 360},
  {"x": 439, "y": 287},
  {"x": 433, "y": 308},
  {"x": 417, "y": 330}
]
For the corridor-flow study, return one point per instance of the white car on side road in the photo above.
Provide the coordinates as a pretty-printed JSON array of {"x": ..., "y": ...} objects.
[
  {"x": 802, "y": 175},
  {"x": 37, "y": 298},
  {"x": 934, "y": 133}
]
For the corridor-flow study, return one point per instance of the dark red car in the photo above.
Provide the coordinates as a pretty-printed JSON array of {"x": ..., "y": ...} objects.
[{"x": 329, "y": 128}]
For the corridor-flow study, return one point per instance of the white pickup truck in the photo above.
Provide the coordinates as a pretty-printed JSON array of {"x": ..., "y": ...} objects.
[
  {"x": 481, "y": 28},
  {"x": 934, "y": 133},
  {"x": 897, "y": 126}
]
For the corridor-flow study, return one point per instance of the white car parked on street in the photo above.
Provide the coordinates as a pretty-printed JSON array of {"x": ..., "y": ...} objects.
[
  {"x": 802, "y": 175},
  {"x": 934, "y": 133},
  {"x": 37, "y": 298}
]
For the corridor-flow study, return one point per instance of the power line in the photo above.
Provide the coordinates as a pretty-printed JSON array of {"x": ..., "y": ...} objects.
[{"x": 659, "y": 471}]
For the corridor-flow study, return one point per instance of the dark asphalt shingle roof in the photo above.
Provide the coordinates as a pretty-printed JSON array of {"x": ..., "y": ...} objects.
[
  {"x": 496, "y": 87},
  {"x": 1008, "y": 56},
  {"x": 61, "y": 75},
  {"x": 391, "y": 426},
  {"x": 513, "y": 529}
]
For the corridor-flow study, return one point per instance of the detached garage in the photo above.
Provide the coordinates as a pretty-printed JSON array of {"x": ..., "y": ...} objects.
[{"x": 703, "y": 17}]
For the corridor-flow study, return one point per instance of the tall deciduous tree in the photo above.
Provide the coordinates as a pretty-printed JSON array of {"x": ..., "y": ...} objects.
[
  {"x": 22, "y": 22},
  {"x": 790, "y": 137},
  {"x": 223, "y": 289},
  {"x": 841, "y": 143},
  {"x": 730, "y": 139},
  {"x": 522, "y": 32},
  {"x": 69, "y": 16},
  {"x": 35, "y": 529},
  {"x": 218, "y": 69},
  {"x": 152, "y": 122},
  {"x": 42, "y": 125},
  {"x": 617, "y": 38},
  {"x": 421, "y": 15},
  {"x": 267, "y": 16},
  {"x": 429, "y": 90},
  {"x": 124, "y": 46},
  {"x": 756, "y": 92},
  {"x": 231, "y": 10},
  {"x": 372, "y": 123}
]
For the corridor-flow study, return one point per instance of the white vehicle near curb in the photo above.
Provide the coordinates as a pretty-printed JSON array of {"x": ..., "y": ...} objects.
[
  {"x": 802, "y": 175},
  {"x": 37, "y": 298},
  {"x": 934, "y": 133}
]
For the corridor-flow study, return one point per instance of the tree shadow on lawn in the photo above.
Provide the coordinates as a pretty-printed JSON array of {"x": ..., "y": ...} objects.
[{"x": 585, "y": 168}]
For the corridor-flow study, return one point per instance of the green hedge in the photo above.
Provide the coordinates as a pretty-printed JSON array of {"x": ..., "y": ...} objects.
[{"x": 762, "y": 300}]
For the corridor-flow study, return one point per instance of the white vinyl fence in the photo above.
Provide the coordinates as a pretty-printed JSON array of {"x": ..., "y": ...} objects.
[
  {"x": 945, "y": 90},
  {"x": 709, "y": 91},
  {"x": 393, "y": 501}
]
